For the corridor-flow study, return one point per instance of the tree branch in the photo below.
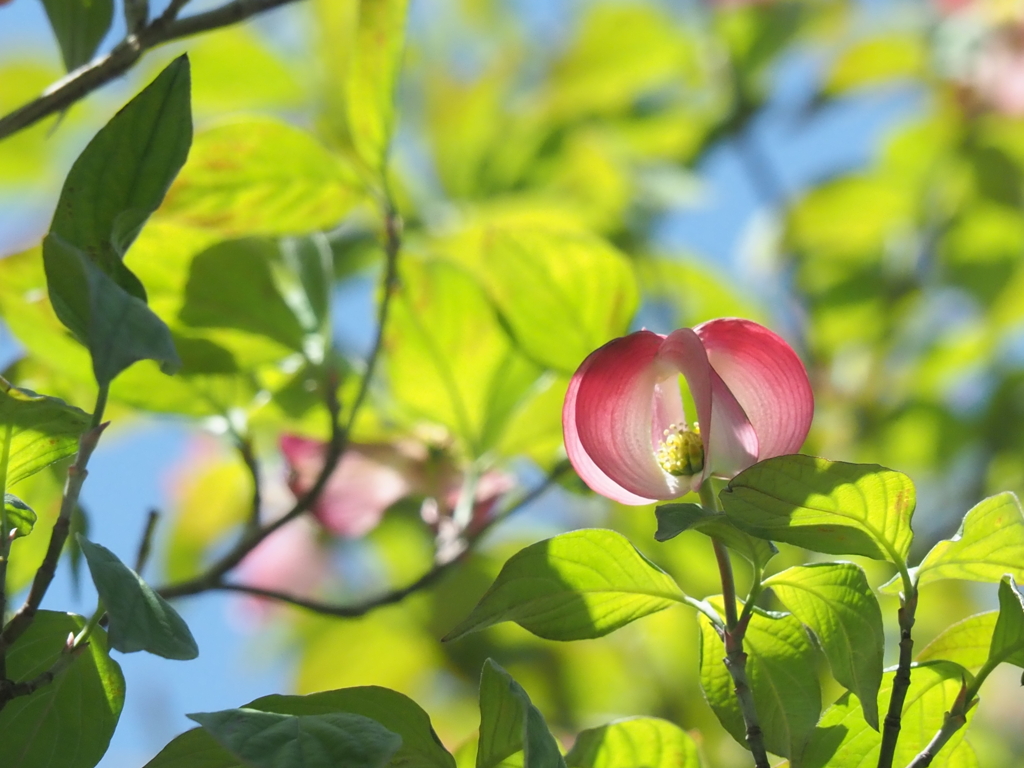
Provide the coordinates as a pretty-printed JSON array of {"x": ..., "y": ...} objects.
[
  {"x": 901, "y": 682},
  {"x": 146, "y": 542},
  {"x": 354, "y": 610},
  {"x": 212, "y": 579},
  {"x": 87, "y": 78}
]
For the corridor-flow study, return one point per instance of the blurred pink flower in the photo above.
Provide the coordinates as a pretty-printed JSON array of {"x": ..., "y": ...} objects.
[
  {"x": 996, "y": 78},
  {"x": 291, "y": 560},
  {"x": 370, "y": 478},
  {"x": 625, "y": 430}
]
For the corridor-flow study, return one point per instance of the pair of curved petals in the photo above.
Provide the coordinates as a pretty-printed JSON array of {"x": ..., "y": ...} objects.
[{"x": 750, "y": 390}]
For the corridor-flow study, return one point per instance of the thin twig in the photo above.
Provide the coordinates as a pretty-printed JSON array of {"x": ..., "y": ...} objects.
[
  {"x": 77, "y": 473},
  {"x": 901, "y": 682},
  {"x": 732, "y": 636},
  {"x": 429, "y": 577},
  {"x": 146, "y": 543},
  {"x": 87, "y": 78},
  {"x": 253, "y": 465},
  {"x": 212, "y": 579}
]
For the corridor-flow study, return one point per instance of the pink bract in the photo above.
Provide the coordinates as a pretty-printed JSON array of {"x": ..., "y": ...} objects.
[{"x": 751, "y": 393}]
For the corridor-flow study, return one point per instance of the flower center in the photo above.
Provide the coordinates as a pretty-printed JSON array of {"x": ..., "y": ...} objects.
[{"x": 681, "y": 453}]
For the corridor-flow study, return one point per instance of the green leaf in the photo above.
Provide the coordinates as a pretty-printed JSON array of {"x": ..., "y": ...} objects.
[
  {"x": 966, "y": 643},
  {"x": 562, "y": 293},
  {"x": 877, "y": 61},
  {"x": 827, "y": 506},
  {"x": 449, "y": 359},
  {"x": 117, "y": 327},
  {"x": 989, "y": 544},
  {"x": 79, "y": 26},
  {"x": 421, "y": 748},
  {"x": 271, "y": 740},
  {"x": 18, "y": 516},
  {"x": 1008, "y": 637},
  {"x": 639, "y": 742},
  {"x": 75, "y": 715},
  {"x": 45, "y": 430},
  {"x": 140, "y": 620},
  {"x": 261, "y": 177},
  {"x": 780, "y": 660},
  {"x": 578, "y": 585},
  {"x": 843, "y": 739},
  {"x": 673, "y": 519},
  {"x": 399, "y": 714},
  {"x": 373, "y": 77},
  {"x": 511, "y": 724},
  {"x": 119, "y": 180},
  {"x": 232, "y": 285},
  {"x": 194, "y": 749},
  {"x": 836, "y": 602}
]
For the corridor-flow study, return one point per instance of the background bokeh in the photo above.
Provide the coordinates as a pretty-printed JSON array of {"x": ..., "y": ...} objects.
[{"x": 849, "y": 173}]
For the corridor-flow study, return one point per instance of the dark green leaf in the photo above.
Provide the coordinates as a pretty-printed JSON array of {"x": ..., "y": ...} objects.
[
  {"x": 75, "y": 715},
  {"x": 399, "y": 714},
  {"x": 271, "y": 740},
  {"x": 673, "y": 519},
  {"x": 140, "y": 620},
  {"x": 510, "y": 724},
  {"x": 639, "y": 742},
  {"x": 79, "y": 26},
  {"x": 836, "y": 602},
  {"x": 232, "y": 285},
  {"x": 578, "y": 585},
  {"x": 18, "y": 516},
  {"x": 843, "y": 739},
  {"x": 45, "y": 430},
  {"x": 421, "y": 748},
  {"x": 120, "y": 179},
  {"x": 826, "y": 506},
  {"x": 780, "y": 663}
]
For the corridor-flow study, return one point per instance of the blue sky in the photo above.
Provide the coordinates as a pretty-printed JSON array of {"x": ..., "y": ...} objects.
[{"x": 129, "y": 471}]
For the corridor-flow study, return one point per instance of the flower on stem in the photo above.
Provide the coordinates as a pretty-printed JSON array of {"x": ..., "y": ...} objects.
[{"x": 626, "y": 432}]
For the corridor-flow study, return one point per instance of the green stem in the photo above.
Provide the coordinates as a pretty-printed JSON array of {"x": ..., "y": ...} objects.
[
  {"x": 952, "y": 723},
  {"x": 735, "y": 628},
  {"x": 901, "y": 682},
  {"x": 87, "y": 630}
]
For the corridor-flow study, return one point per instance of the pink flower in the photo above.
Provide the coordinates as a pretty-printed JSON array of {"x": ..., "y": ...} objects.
[
  {"x": 997, "y": 77},
  {"x": 625, "y": 430},
  {"x": 371, "y": 477}
]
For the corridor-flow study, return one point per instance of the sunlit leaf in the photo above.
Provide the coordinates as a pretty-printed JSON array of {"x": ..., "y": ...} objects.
[
  {"x": 1008, "y": 636},
  {"x": 27, "y": 159},
  {"x": 639, "y": 742},
  {"x": 876, "y": 61},
  {"x": 79, "y": 26},
  {"x": 965, "y": 643},
  {"x": 18, "y": 516},
  {"x": 989, "y": 544},
  {"x": 271, "y": 740},
  {"x": 261, "y": 177},
  {"x": 827, "y": 506},
  {"x": 75, "y": 715},
  {"x": 140, "y": 620},
  {"x": 837, "y": 603},
  {"x": 843, "y": 739},
  {"x": 43, "y": 430},
  {"x": 562, "y": 293},
  {"x": 581, "y": 584},
  {"x": 673, "y": 519},
  {"x": 511, "y": 724},
  {"x": 786, "y": 697},
  {"x": 449, "y": 360}
]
